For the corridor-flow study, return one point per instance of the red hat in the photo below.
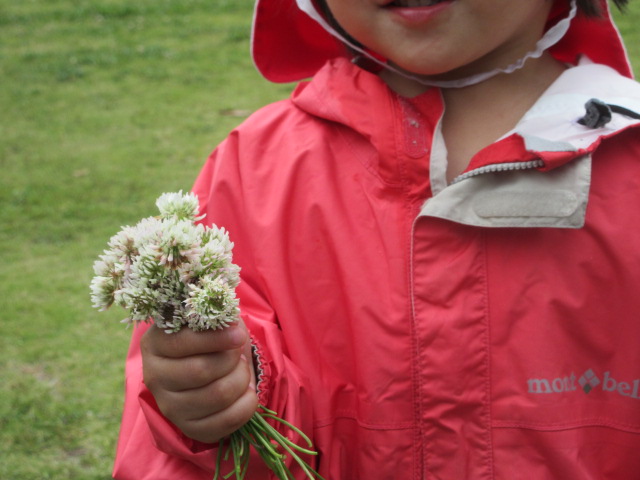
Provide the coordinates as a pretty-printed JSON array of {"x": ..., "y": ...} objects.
[
  {"x": 287, "y": 45},
  {"x": 596, "y": 37}
]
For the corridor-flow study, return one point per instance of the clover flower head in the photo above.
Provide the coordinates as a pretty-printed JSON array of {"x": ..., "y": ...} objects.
[
  {"x": 212, "y": 304},
  {"x": 108, "y": 265},
  {"x": 123, "y": 244},
  {"x": 169, "y": 270},
  {"x": 103, "y": 289},
  {"x": 179, "y": 244},
  {"x": 179, "y": 206},
  {"x": 147, "y": 231}
]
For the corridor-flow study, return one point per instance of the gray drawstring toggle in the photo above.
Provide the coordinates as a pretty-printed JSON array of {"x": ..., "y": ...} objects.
[{"x": 599, "y": 113}]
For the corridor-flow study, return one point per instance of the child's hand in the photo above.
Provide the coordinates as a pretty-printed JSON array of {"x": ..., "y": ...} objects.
[{"x": 203, "y": 382}]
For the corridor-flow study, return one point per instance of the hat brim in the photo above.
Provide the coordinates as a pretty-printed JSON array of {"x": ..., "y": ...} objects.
[
  {"x": 598, "y": 39},
  {"x": 288, "y": 45}
]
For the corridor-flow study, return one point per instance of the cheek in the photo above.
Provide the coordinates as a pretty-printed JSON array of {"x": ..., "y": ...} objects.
[
  {"x": 342, "y": 11},
  {"x": 355, "y": 17},
  {"x": 350, "y": 23}
]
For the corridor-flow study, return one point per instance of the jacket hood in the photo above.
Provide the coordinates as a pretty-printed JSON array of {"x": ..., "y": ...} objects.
[{"x": 287, "y": 45}]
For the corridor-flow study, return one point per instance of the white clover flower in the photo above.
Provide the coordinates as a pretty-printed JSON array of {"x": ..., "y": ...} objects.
[
  {"x": 169, "y": 270},
  {"x": 213, "y": 259},
  {"x": 141, "y": 303},
  {"x": 123, "y": 245},
  {"x": 147, "y": 230},
  {"x": 108, "y": 265},
  {"x": 232, "y": 274},
  {"x": 179, "y": 244},
  {"x": 212, "y": 305},
  {"x": 146, "y": 268},
  {"x": 178, "y": 206},
  {"x": 219, "y": 236},
  {"x": 103, "y": 291}
]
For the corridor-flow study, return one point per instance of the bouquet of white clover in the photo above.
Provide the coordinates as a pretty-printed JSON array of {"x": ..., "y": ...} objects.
[{"x": 175, "y": 272}]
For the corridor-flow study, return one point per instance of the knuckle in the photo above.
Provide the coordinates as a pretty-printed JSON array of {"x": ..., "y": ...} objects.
[
  {"x": 226, "y": 392},
  {"x": 169, "y": 409},
  {"x": 238, "y": 380},
  {"x": 234, "y": 420},
  {"x": 202, "y": 370},
  {"x": 238, "y": 414}
]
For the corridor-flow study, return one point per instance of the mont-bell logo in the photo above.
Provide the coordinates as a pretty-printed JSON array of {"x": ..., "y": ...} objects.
[{"x": 586, "y": 382}]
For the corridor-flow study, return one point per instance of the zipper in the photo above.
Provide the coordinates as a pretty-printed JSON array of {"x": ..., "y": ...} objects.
[
  {"x": 499, "y": 167},
  {"x": 419, "y": 450}
]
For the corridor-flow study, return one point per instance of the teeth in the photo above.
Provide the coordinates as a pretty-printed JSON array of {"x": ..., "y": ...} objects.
[{"x": 415, "y": 3}]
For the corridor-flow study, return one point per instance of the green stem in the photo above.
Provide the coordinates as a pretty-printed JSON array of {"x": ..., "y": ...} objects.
[
  {"x": 266, "y": 440},
  {"x": 287, "y": 444},
  {"x": 216, "y": 476}
]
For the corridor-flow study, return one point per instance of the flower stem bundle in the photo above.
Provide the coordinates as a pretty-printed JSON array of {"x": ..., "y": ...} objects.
[{"x": 175, "y": 272}]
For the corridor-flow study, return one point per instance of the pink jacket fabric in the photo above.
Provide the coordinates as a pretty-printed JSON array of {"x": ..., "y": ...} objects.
[{"x": 487, "y": 329}]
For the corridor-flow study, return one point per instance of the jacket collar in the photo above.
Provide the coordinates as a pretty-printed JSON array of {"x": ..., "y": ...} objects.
[
  {"x": 543, "y": 175},
  {"x": 549, "y": 131},
  {"x": 538, "y": 175}
]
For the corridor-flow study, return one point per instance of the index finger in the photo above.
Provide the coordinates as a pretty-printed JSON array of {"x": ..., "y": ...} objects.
[{"x": 186, "y": 342}]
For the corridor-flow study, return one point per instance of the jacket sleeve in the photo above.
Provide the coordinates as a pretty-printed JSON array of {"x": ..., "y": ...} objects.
[{"x": 149, "y": 446}]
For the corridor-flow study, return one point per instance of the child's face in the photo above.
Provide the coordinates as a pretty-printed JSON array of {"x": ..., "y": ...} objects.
[{"x": 451, "y": 38}]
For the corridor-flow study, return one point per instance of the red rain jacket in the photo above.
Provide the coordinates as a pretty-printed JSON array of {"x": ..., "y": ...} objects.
[{"x": 487, "y": 329}]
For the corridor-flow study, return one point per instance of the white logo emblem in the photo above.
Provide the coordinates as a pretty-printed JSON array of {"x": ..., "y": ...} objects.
[{"x": 588, "y": 381}]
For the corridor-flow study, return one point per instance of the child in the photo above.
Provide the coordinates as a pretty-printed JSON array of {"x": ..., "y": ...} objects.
[{"x": 439, "y": 251}]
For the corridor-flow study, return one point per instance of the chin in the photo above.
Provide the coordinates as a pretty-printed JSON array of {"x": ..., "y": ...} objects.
[{"x": 436, "y": 71}]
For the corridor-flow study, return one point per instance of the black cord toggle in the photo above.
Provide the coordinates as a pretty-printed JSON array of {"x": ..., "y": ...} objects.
[{"x": 599, "y": 113}]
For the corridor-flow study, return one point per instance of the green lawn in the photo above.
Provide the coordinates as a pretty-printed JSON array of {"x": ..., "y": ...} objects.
[{"x": 104, "y": 104}]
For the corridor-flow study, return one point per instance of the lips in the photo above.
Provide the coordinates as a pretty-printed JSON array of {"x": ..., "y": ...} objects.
[{"x": 413, "y": 3}]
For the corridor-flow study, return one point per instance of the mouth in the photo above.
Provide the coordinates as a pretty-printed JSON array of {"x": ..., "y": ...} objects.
[{"x": 413, "y": 3}]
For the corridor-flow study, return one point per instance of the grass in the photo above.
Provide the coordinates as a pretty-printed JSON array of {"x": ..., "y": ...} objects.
[{"x": 105, "y": 104}]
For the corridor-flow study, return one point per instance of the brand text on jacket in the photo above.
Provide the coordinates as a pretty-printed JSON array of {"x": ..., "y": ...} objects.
[{"x": 587, "y": 382}]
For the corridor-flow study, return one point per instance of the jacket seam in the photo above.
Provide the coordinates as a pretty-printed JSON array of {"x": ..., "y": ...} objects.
[
  {"x": 487, "y": 313},
  {"x": 419, "y": 461},
  {"x": 419, "y": 454},
  {"x": 352, "y": 416},
  {"x": 561, "y": 426}
]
